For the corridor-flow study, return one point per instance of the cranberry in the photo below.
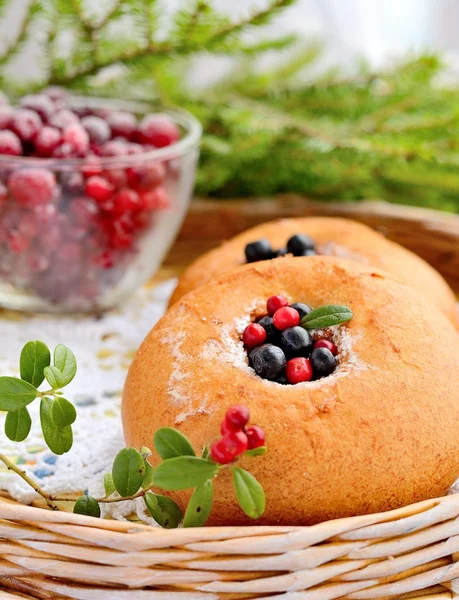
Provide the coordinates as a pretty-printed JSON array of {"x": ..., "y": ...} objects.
[
  {"x": 77, "y": 137},
  {"x": 122, "y": 124},
  {"x": 274, "y": 303},
  {"x": 159, "y": 131},
  {"x": 32, "y": 187},
  {"x": 45, "y": 213},
  {"x": 40, "y": 103},
  {"x": 29, "y": 225},
  {"x": 18, "y": 242},
  {"x": 256, "y": 437},
  {"x": 26, "y": 124},
  {"x": 114, "y": 148},
  {"x": 220, "y": 453},
  {"x": 254, "y": 335},
  {"x": 237, "y": 417},
  {"x": 135, "y": 149},
  {"x": 83, "y": 211},
  {"x": 56, "y": 93},
  {"x": 157, "y": 199},
  {"x": 145, "y": 178},
  {"x": 117, "y": 177},
  {"x": 6, "y": 115},
  {"x": 91, "y": 166},
  {"x": 105, "y": 260},
  {"x": 126, "y": 200},
  {"x": 286, "y": 317},
  {"x": 141, "y": 219},
  {"x": 3, "y": 196},
  {"x": 63, "y": 119},
  {"x": 64, "y": 151},
  {"x": 328, "y": 344},
  {"x": 72, "y": 183},
  {"x": 226, "y": 449},
  {"x": 298, "y": 370},
  {"x": 99, "y": 188},
  {"x": 10, "y": 143},
  {"x": 47, "y": 140},
  {"x": 98, "y": 130},
  {"x": 121, "y": 234},
  {"x": 70, "y": 251},
  {"x": 52, "y": 240}
]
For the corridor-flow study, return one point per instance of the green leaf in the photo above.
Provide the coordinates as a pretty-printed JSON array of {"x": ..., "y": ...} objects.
[
  {"x": 59, "y": 440},
  {"x": 200, "y": 505},
  {"x": 326, "y": 316},
  {"x": 148, "y": 478},
  {"x": 128, "y": 472},
  {"x": 183, "y": 472},
  {"x": 249, "y": 493},
  {"x": 170, "y": 443},
  {"x": 18, "y": 424},
  {"x": 64, "y": 412},
  {"x": 109, "y": 486},
  {"x": 163, "y": 510},
  {"x": 87, "y": 505},
  {"x": 53, "y": 377},
  {"x": 65, "y": 361},
  {"x": 16, "y": 393},
  {"x": 35, "y": 356},
  {"x": 257, "y": 451}
]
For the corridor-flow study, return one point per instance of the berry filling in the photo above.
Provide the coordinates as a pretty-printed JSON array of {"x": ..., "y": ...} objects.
[
  {"x": 284, "y": 348},
  {"x": 88, "y": 214},
  {"x": 298, "y": 245}
]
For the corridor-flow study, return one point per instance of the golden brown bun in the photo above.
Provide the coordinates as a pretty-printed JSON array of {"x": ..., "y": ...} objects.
[
  {"x": 379, "y": 433},
  {"x": 339, "y": 237}
]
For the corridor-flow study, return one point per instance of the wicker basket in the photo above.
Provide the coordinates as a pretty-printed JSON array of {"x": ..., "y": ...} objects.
[{"x": 406, "y": 554}]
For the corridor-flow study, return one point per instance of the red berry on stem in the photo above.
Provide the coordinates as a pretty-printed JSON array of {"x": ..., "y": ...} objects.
[
  {"x": 236, "y": 442},
  {"x": 254, "y": 335},
  {"x": 10, "y": 143},
  {"x": 47, "y": 140},
  {"x": 237, "y": 417},
  {"x": 274, "y": 303},
  {"x": 256, "y": 437},
  {"x": 220, "y": 453},
  {"x": 32, "y": 187},
  {"x": 99, "y": 188},
  {"x": 26, "y": 124},
  {"x": 286, "y": 317},
  {"x": 324, "y": 343},
  {"x": 298, "y": 370},
  {"x": 158, "y": 130}
]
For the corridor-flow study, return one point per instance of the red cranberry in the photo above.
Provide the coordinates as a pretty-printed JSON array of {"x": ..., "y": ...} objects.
[
  {"x": 226, "y": 449},
  {"x": 83, "y": 211},
  {"x": 29, "y": 225},
  {"x": 64, "y": 151},
  {"x": 45, "y": 213},
  {"x": 220, "y": 453},
  {"x": 324, "y": 343},
  {"x": 6, "y": 115},
  {"x": 125, "y": 200},
  {"x": 26, "y": 124},
  {"x": 157, "y": 199},
  {"x": 254, "y": 335},
  {"x": 237, "y": 417},
  {"x": 52, "y": 240},
  {"x": 18, "y": 242},
  {"x": 98, "y": 130},
  {"x": 63, "y": 119},
  {"x": 77, "y": 137},
  {"x": 117, "y": 177},
  {"x": 144, "y": 178},
  {"x": 99, "y": 188},
  {"x": 122, "y": 124},
  {"x": 32, "y": 187},
  {"x": 121, "y": 235},
  {"x": 56, "y": 93},
  {"x": 91, "y": 166},
  {"x": 135, "y": 149},
  {"x": 256, "y": 437},
  {"x": 3, "y": 196},
  {"x": 10, "y": 143},
  {"x": 274, "y": 303},
  {"x": 47, "y": 140},
  {"x": 298, "y": 370},
  {"x": 105, "y": 260},
  {"x": 159, "y": 131},
  {"x": 40, "y": 103},
  {"x": 114, "y": 148},
  {"x": 286, "y": 317},
  {"x": 70, "y": 251}
]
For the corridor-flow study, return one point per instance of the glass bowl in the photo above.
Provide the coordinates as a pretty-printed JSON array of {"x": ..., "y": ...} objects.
[{"x": 63, "y": 251}]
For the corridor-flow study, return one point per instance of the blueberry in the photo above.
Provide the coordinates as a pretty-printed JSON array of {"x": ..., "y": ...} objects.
[
  {"x": 296, "y": 341},
  {"x": 303, "y": 309},
  {"x": 297, "y": 244},
  {"x": 272, "y": 333},
  {"x": 260, "y": 250},
  {"x": 282, "y": 379},
  {"x": 268, "y": 361},
  {"x": 323, "y": 362}
]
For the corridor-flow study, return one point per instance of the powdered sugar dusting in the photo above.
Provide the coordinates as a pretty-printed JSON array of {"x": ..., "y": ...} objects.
[{"x": 334, "y": 249}]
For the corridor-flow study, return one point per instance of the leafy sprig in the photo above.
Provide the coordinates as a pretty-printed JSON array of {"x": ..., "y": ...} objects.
[
  {"x": 132, "y": 476},
  {"x": 326, "y": 316}
]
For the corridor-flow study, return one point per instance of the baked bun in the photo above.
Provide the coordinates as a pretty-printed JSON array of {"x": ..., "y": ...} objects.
[
  {"x": 336, "y": 237},
  {"x": 379, "y": 433}
]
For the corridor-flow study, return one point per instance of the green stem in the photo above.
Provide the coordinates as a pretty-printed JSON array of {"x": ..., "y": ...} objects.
[
  {"x": 105, "y": 500},
  {"x": 23, "y": 475}
]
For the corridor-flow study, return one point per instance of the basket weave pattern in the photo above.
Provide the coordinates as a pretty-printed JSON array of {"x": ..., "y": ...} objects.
[{"x": 405, "y": 554}]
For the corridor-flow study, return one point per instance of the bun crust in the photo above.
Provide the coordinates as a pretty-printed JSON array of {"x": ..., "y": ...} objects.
[
  {"x": 379, "y": 433},
  {"x": 338, "y": 237}
]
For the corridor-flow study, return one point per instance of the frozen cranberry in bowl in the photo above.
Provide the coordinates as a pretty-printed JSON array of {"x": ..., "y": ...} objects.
[{"x": 93, "y": 192}]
